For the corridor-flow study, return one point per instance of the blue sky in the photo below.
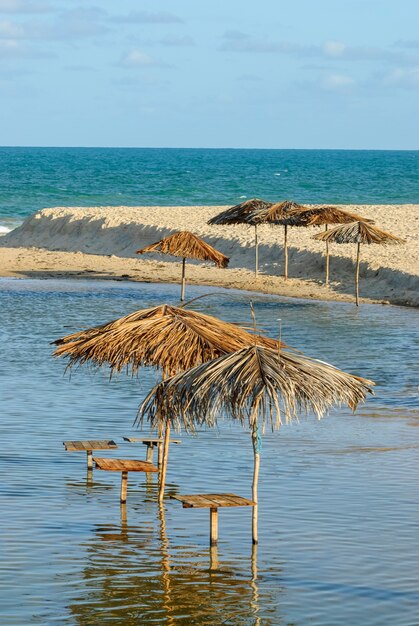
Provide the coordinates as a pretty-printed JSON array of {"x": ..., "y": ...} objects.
[{"x": 197, "y": 73}]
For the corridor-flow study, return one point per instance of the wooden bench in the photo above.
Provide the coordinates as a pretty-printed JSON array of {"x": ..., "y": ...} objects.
[
  {"x": 151, "y": 443},
  {"x": 124, "y": 466},
  {"x": 89, "y": 446},
  {"x": 212, "y": 501}
]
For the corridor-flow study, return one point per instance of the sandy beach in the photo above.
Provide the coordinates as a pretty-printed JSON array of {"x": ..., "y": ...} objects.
[{"x": 100, "y": 242}]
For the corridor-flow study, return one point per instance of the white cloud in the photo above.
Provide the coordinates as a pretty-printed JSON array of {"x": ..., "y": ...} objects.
[
  {"x": 8, "y": 30},
  {"x": 24, "y": 6},
  {"x": 138, "y": 59},
  {"x": 331, "y": 50},
  {"x": 407, "y": 43},
  {"x": 334, "y": 48},
  {"x": 337, "y": 82},
  {"x": 405, "y": 78},
  {"x": 177, "y": 41},
  {"x": 13, "y": 49},
  {"x": 145, "y": 17}
]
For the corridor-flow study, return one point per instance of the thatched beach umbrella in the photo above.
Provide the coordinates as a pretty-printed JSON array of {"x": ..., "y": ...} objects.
[
  {"x": 358, "y": 232},
  {"x": 277, "y": 214},
  {"x": 257, "y": 386},
  {"x": 169, "y": 338},
  {"x": 188, "y": 246},
  {"x": 243, "y": 213},
  {"x": 318, "y": 216}
]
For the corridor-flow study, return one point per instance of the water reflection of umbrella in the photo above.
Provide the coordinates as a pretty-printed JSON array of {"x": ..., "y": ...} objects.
[
  {"x": 257, "y": 386},
  {"x": 170, "y": 338},
  {"x": 277, "y": 214},
  {"x": 243, "y": 213},
  {"x": 188, "y": 246},
  {"x": 358, "y": 232},
  {"x": 318, "y": 216}
]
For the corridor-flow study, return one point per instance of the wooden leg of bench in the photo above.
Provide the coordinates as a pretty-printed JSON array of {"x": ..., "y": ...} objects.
[
  {"x": 124, "y": 484},
  {"x": 89, "y": 460},
  {"x": 213, "y": 527},
  {"x": 149, "y": 457}
]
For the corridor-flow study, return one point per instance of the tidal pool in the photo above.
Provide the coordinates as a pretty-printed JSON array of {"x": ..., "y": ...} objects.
[{"x": 339, "y": 498}]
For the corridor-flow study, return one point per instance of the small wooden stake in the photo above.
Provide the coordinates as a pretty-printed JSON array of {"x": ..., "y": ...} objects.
[
  {"x": 327, "y": 258},
  {"x": 286, "y": 252},
  {"x": 124, "y": 485},
  {"x": 357, "y": 275},
  {"x": 213, "y": 527},
  {"x": 182, "y": 290},
  {"x": 89, "y": 460},
  {"x": 256, "y": 251}
]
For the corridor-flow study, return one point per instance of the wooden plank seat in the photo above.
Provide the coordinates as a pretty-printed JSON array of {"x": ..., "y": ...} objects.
[
  {"x": 88, "y": 446},
  {"x": 151, "y": 443},
  {"x": 212, "y": 501},
  {"x": 124, "y": 466}
]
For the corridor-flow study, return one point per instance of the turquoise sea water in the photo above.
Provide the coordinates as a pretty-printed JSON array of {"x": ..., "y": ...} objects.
[
  {"x": 339, "y": 503},
  {"x": 35, "y": 178}
]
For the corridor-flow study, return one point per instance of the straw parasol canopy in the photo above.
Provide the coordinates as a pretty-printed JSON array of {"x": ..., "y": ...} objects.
[
  {"x": 358, "y": 232},
  {"x": 188, "y": 246},
  {"x": 243, "y": 213},
  {"x": 169, "y": 338},
  {"x": 256, "y": 386},
  {"x": 319, "y": 215},
  {"x": 277, "y": 214}
]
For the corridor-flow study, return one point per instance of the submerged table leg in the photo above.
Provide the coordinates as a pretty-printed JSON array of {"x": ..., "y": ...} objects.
[
  {"x": 124, "y": 484},
  {"x": 149, "y": 457},
  {"x": 213, "y": 527},
  {"x": 213, "y": 557},
  {"x": 89, "y": 460}
]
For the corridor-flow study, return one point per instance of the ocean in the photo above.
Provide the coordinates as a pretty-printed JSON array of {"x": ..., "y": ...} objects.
[{"x": 36, "y": 178}]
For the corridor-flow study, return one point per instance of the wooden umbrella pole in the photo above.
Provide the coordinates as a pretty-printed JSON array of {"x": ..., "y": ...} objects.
[
  {"x": 327, "y": 258},
  {"x": 357, "y": 274},
  {"x": 286, "y": 252},
  {"x": 182, "y": 290},
  {"x": 160, "y": 445},
  {"x": 256, "y": 251},
  {"x": 256, "y": 464},
  {"x": 164, "y": 462}
]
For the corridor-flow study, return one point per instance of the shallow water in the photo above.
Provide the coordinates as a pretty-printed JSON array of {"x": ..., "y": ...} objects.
[{"x": 338, "y": 498}]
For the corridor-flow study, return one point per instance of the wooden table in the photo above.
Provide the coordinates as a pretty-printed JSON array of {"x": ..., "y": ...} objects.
[
  {"x": 124, "y": 466},
  {"x": 151, "y": 443},
  {"x": 212, "y": 501},
  {"x": 89, "y": 446}
]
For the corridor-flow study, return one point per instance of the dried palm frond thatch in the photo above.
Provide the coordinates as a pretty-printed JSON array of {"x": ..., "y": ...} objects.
[
  {"x": 319, "y": 215},
  {"x": 358, "y": 232},
  {"x": 244, "y": 213},
  {"x": 277, "y": 214},
  {"x": 170, "y": 338},
  {"x": 257, "y": 386},
  {"x": 188, "y": 246}
]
